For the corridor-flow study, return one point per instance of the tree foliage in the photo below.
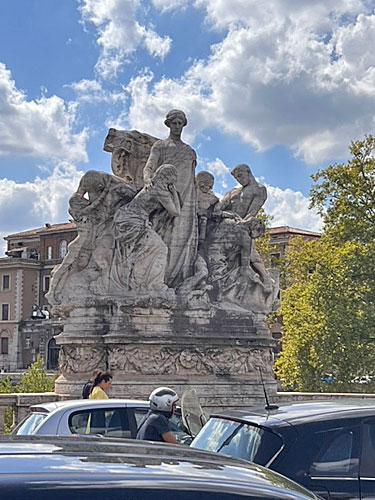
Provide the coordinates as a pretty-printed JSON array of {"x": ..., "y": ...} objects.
[
  {"x": 328, "y": 308},
  {"x": 329, "y": 317},
  {"x": 35, "y": 379},
  {"x": 344, "y": 194},
  {"x": 6, "y": 385}
]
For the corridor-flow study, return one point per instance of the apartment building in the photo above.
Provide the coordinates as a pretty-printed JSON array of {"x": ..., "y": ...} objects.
[{"x": 25, "y": 275}]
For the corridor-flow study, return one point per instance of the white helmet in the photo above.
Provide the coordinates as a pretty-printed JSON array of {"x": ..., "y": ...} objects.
[{"x": 162, "y": 399}]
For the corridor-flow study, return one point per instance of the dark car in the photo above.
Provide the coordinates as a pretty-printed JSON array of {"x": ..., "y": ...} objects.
[
  {"x": 82, "y": 468},
  {"x": 328, "y": 447}
]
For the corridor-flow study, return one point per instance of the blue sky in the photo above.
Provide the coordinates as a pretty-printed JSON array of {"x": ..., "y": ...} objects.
[{"x": 282, "y": 85}]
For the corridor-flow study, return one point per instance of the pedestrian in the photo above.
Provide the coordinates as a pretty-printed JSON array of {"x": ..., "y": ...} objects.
[
  {"x": 101, "y": 383},
  {"x": 155, "y": 425},
  {"x": 87, "y": 387}
]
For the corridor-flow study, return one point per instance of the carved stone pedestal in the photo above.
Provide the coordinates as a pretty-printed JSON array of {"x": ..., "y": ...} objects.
[{"x": 219, "y": 353}]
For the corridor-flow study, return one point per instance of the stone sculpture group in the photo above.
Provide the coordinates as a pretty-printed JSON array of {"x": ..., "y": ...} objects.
[
  {"x": 163, "y": 284},
  {"x": 156, "y": 231}
]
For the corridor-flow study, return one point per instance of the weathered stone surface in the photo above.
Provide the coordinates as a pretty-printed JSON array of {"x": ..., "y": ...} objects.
[
  {"x": 163, "y": 283},
  {"x": 130, "y": 151}
]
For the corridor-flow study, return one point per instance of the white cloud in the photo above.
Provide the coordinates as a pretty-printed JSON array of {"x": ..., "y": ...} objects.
[
  {"x": 301, "y": 74},
  {"x": 149, "y": 106},
  {"x": 291, "y": 208},
  {"x": 218, "y": 168},
  {"x": 167, "y": 5},
  {"x": 32, "y": 204},
  {"x": 317, "y": 14},
  {"x": 40, "y": 128},
  {"x": 120, "y": 34},
  {"x": 92, "y": 91}
]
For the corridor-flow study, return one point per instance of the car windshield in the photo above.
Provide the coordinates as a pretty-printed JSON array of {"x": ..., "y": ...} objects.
[
  {"x": 30, "y": 423},
  {"x": 239, "y": 440}
]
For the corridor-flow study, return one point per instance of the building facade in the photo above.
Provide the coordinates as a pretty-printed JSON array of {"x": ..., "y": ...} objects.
[{"x": 25, "y": 275}]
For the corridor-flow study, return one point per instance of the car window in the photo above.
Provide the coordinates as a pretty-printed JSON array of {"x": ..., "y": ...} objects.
[
  {"x": 239, "y": 440},
  {"x": 177, "y": 427},
  {"x": 368, "y": 450},
  {"x": 29, "y": 424},
  {"x": 339, "y": 455},
  {"x": 107, "y": 422},
  {"x": 139, "y": 413}
]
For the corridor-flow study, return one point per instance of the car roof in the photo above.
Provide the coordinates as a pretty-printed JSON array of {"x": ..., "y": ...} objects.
[
  {"x": 75, "y": 459},
  {"x": 79, "y": 403},
  {"x": 301, "y": 412}
]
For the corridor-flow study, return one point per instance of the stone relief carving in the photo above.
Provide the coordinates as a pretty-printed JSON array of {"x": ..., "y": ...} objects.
[
  {"x": 154, "y": 229},
  {"x": 81, "y": 359},
  {"x": 156, "y": 360}
]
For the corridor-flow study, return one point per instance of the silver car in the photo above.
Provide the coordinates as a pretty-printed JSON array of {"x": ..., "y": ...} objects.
[{"x": 118, "y": 418}]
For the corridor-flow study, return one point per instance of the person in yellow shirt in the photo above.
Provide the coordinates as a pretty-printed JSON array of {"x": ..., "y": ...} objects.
[{"x": 101, "y": 384}]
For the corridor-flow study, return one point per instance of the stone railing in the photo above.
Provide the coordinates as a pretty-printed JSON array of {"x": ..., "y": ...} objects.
[{"x": 20, "y": 403}]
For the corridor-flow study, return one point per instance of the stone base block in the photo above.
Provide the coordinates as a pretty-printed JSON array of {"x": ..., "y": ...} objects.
[{"x": 222, "y": 355}]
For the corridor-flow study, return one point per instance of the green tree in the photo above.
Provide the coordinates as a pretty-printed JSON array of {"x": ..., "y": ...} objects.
[
  {"x": 328, "y": 306},
  {"x": 344, "y": 194},
  {"x": 6, "y": 385},
  {"x": 35, "y": 379},
  {"x": 329, "y": 317}
]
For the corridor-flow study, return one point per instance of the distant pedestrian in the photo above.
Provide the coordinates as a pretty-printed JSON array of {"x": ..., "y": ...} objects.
[
  {"x": 101, "y": 383},
  {"x": 155, "y": 425},
  {"x": 87, "y": 387}
]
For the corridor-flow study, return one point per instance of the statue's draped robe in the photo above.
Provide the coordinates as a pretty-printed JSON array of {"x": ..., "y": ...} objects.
[
  {"x": 178, "y": 233},
  {"x": 141, "y": 255}
]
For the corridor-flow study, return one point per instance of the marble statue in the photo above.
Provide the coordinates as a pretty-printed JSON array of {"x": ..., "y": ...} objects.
[
  {"x": 130, "y": 150},
  {"x": 154, "y": 229},
  {"x": 179, "y": 233},
  {"x": 247, "y": 200},
  {"x": 140, "y": 256},
  {"x": 235, "y": 267},
  {"x": 95, "y": 241},
  {"x": 163, "y": 284},
  {"x": 205, "y": 202}
]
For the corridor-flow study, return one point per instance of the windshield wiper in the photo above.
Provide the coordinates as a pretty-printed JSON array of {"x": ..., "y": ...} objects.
[{"x": 229, "y": 438}]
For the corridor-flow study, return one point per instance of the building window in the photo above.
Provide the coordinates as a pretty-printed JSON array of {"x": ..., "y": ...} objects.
[
  {"x": 49, "y": 253},
  {"x": 46, "y": 283},
  {"x": 4, "y": 345},
  {"x": 62, "y": 249},
  {"x": 5, "y": 282},
  {"x": 5, "y": 312},
  {"x": 27, "y": 343}
]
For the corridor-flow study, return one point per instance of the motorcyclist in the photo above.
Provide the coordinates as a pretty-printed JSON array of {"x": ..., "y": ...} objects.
[{"x": 155, "y": 425}]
